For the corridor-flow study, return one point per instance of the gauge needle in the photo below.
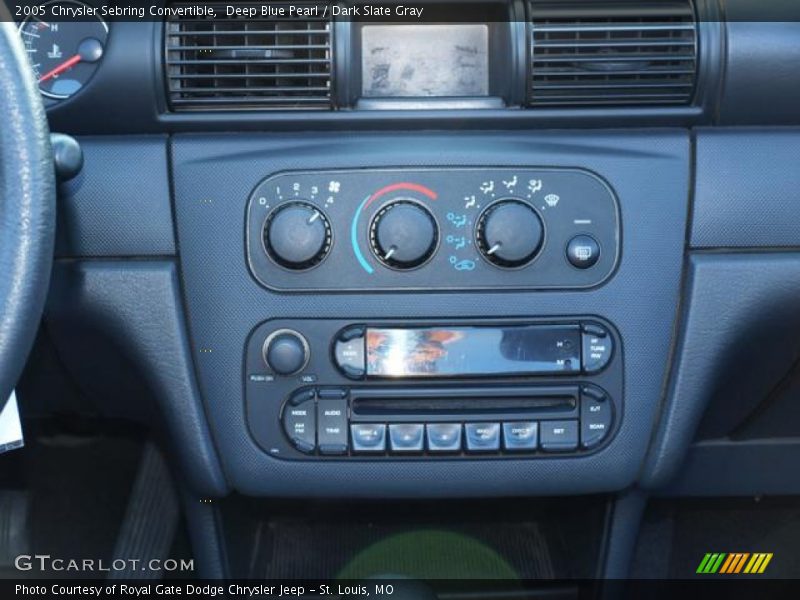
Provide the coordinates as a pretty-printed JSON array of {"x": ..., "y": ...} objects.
[{"x": 67, "y": 64}]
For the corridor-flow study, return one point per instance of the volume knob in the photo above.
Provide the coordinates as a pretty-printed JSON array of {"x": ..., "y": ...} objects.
[
  {"x": 510, "y": 233},
  {"x": 403, "y": 235},
  {"x": 286, "y": 352},
  {"x": 297, "y": 235}
]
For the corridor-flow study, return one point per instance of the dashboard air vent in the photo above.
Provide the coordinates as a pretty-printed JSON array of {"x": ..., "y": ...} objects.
[
  {"x": 241, "y": 62},
  {"x": 588, "y": 53}
]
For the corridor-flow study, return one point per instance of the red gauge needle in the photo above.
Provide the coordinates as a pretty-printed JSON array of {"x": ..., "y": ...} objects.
[{"x": 67, "y": 64}]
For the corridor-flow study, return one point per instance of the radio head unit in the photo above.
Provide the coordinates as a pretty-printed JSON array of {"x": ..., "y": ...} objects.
[{"x": 323, "y": 389}]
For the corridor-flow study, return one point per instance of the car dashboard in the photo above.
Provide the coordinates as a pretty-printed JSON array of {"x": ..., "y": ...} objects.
[{"x": 509, "y": 249}]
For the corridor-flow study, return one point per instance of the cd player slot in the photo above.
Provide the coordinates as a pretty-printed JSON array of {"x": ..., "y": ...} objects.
[
  {"x": 436, "y": 406},
  {"x": 536, "y": 403}
]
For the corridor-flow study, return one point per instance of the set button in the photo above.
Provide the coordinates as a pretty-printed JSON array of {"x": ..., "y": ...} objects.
[{"x": 559, "y": 436}]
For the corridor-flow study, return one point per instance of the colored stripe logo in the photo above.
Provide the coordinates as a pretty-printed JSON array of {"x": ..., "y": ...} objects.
[{"x": 734, "y": 563}]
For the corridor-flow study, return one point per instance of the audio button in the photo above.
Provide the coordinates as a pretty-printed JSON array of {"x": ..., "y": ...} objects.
[{"x": 332, "y": 426}]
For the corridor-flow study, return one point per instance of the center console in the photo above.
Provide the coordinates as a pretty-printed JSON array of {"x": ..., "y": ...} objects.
[
  {"x": 465, "y": 314},
  {"x": 332, "y": 389}
]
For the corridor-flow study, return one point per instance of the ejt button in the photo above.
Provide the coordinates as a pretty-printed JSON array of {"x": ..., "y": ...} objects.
[{"x": 595, "y": 417}]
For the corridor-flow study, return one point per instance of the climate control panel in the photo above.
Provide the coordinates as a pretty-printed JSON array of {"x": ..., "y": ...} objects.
[{"x": 384, "y": 229}]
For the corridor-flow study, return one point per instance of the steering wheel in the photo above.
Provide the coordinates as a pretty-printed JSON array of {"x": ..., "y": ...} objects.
[{"x": 27, "y": 206}]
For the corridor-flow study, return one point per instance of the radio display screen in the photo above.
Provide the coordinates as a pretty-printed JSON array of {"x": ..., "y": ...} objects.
[
  {"x": 403, "y": 61},
  {"x": 472, "y": 351}
]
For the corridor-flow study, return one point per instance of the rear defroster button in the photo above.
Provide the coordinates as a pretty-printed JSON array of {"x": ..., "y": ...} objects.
[{"x": 583, "y": 251}]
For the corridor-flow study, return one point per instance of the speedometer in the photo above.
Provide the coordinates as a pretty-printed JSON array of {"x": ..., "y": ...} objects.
[{"x": 64, "y": 54}]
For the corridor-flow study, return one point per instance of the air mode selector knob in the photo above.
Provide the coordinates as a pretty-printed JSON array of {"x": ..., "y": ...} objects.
[
  {"x": 510, "y": 233},
  {"x": 297, "y": 235},
  {"x": 403, "y": 235}
]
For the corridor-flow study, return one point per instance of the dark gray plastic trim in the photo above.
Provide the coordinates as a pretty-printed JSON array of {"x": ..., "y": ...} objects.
[
  {"x": 726, "y": 296},
  {"x": 137, "y": 305}
]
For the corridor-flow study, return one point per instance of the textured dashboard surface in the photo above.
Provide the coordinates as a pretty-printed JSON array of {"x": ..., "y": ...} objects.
[
  {"x": 119, "y": 204},
  {"x": 214, "y": 176},
  {"x": 747, "y": 190}
]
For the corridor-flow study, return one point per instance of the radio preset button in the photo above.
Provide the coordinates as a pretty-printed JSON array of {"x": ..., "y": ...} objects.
[
  {"x": 299, "y": 423},
  {"x": 406, "y": 437},
  {"x": 595, "y": 418},
  {"x": 443, "y": 437},
  {"x": 483, "y": 437},
  {"x": 520, "y": 436},
  {"x": 559, "y": 436},
  {"x": 332, "y": 426},
  {"x": 368, "y": 437},
  {"x": 598, "y": 346}
]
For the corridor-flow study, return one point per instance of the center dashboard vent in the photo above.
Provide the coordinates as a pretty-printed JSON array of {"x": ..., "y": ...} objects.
[
  {"x": 241, "y": 62},
  {"x": 591, "y": 53}
]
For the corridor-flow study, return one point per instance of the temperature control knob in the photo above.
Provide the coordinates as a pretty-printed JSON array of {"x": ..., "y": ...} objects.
[
  {"x": 510, "y": 233},
  {"x": 403, "y": 235},
  {"x": 297, "y": 235}
]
